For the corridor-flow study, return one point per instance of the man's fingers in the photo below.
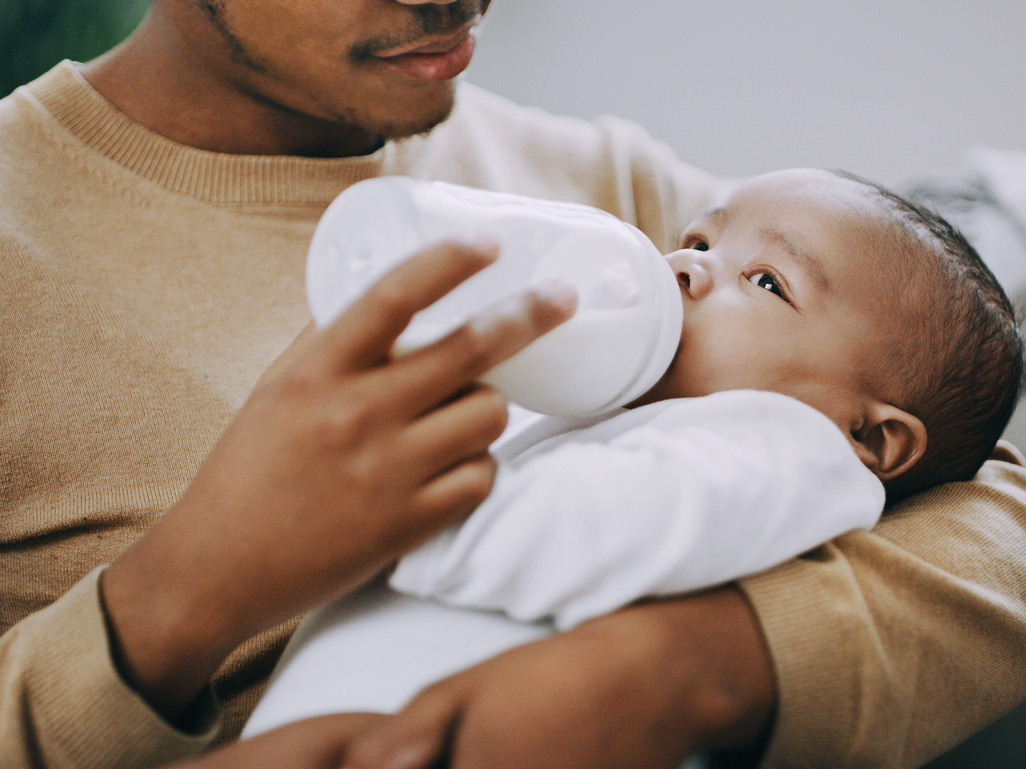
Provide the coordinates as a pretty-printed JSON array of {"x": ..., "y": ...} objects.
[
  {"x": 366, "y": 331},
  {"x": 453, "y": 494},
  {"x": 460, "y": 429},
  {"x": 515, "y": 322},
  {"x": 416, "y": 738},
  {"x": 313, "y": 743},
  {"x": 432, "y": 375}
]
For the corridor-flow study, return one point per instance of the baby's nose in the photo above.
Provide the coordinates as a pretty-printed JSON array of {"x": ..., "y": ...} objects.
[{"x": 692, "y": 272}]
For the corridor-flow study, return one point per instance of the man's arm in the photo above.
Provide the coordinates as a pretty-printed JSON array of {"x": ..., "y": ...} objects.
[
  {"x": 340, "y": 460},
  {"x": 639, "y": 689},
  {"x": 892, "y": 646},
  {"x": 883, "y": 648},
  {"x": 643, "y": 688}
]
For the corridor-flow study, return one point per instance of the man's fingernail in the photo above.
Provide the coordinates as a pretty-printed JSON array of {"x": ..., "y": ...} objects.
[
  {"x": 482, "y": 240},
  {"x": 559, "y": 292}
]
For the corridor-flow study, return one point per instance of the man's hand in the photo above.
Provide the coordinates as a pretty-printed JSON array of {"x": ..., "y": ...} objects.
[
  {"x": 341, "y": 460},
  {"x": 642, "y": 688},
  {"x": 314, "y": 743}
]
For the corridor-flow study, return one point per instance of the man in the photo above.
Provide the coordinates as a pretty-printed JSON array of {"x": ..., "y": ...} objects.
[{"x": 155, "y": 206}]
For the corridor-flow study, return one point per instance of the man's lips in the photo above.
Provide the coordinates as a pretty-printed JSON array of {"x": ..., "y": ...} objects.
[{"x": 438, "y": 59}]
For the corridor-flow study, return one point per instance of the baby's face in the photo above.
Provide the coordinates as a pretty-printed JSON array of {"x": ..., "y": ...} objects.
[{"x": 780, "y": 293}]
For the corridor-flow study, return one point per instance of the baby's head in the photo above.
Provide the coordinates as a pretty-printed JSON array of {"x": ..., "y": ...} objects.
[{"x": 842, "y": 294}]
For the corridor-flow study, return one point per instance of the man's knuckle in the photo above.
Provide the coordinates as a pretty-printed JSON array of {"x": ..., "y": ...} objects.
[
  {"x": 542, "y": 313},
  {"x": 296, "y": 385},
  {"x": 434, "y": 698},
  {"x": 476, "y": 348},
  {"x": 478, "y": 481},
  {"x": 344, "y": 428},
  {"x": 472, "y": 258},
  {"x": 389, "y": 299},
  {"x": 494, "y": 411}
]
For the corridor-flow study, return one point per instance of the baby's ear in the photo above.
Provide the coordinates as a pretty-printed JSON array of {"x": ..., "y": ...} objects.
[{"x": 889, "y": 441}]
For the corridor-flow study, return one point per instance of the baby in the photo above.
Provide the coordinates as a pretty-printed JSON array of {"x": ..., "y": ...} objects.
[{"x": 840, "y": 345}]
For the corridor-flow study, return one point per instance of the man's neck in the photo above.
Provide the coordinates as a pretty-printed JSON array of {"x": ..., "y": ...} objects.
[{"x": 194, "y": 107}]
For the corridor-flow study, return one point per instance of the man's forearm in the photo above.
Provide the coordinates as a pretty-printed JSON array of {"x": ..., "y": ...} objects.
[
  {"x": 710, "y": 657},
  {"x": 341, "y": 460},
  {"x": 642, "y": 688}
]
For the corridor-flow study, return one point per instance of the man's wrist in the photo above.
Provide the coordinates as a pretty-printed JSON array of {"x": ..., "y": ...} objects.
[
  {"x": 79, "y": 710},
  {"x": 160, "y": 647}
]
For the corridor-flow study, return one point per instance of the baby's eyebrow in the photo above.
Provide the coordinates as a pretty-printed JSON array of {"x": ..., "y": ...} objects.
[
  {"x": 811, "y": 263},
  {"x": 717, "y": 212}
]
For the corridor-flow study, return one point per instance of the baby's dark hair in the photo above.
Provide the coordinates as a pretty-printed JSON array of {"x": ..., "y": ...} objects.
[{"x": 961, "y": 358}]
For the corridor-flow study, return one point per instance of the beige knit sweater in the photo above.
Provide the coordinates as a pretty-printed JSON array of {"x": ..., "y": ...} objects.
[{"x": 146, "y": 285}]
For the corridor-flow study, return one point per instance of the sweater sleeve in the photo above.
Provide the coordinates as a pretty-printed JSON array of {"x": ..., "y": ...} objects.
[
  {"x": 61, "y": 698},
  {"x": 892, "y": 646},
  {"x": 663, "y": 499}
]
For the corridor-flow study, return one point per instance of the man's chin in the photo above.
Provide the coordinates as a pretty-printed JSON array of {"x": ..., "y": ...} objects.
[{"x": 415, "y": 123}]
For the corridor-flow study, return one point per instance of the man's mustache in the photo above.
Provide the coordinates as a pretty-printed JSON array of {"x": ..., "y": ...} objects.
[{"x": 426, "y": 20}]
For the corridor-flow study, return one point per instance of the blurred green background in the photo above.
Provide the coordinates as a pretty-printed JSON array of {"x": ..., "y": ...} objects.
[{"x": 36, "y": 34}]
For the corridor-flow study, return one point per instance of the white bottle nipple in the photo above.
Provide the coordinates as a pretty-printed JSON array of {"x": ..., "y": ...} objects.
[{"x": 614, "y": 349}]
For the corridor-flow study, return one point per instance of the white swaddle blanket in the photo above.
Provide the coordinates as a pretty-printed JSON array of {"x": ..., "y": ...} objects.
[{"x": 586, "y": 516}]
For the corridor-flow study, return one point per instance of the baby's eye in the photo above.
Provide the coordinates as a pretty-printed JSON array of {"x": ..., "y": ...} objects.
[
  {"x": 768, "y": 282},
  {"x": 696, "y": 244}
]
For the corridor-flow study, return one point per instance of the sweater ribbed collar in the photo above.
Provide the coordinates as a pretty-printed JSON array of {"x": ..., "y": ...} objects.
[{"x": 215, "y": 177}]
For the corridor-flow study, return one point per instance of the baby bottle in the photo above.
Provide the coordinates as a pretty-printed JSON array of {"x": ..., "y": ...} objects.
[{"x": 617, "y": 345}]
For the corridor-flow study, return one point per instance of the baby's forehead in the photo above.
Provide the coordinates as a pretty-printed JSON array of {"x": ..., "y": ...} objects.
[
  {"x": 835, "y": 196},
  {"x": 820, "y": 204},
  {"x": 808, "y": 202}
]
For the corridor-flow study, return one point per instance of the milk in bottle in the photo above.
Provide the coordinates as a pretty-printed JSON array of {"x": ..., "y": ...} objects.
[{"x": 617, "y": 345}]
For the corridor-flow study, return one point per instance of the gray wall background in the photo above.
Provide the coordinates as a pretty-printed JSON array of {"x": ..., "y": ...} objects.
[{"x": 884, "y": 88}]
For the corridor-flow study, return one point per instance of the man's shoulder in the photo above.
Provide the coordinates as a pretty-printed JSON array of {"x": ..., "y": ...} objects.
[
  {"x": 24, "y": 107},
  {"x": 483, "y": 112},
  {"x": 32, "y": 141},
  {"x": 476, "y": 103},
  {"x": 613, "y": 164},
  {"x": 491, "y": 128}
]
